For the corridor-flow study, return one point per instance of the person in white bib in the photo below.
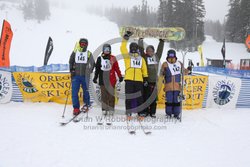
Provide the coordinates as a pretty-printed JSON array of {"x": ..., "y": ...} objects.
[
  {"x": 81, "y": 64},
  {"x": 171, "y": 71},
  {"x": 107, "y": 70},
  {"x": 135, "y": 74},
  {"x": 152, "y": 59}
]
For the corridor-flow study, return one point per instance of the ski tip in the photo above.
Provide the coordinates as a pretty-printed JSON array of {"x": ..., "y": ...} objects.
[
  {"x": 148, "y": 133},
  {"x": 132, "y": 132},
  {"x": 63, "y": 124}
]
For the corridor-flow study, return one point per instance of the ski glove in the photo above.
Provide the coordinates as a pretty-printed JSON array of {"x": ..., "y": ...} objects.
[
  {"x": 120, "y": 79},
  {"x": 145, "y": 83},
  {"x": 72, "y": 73},
  {"x": 95, "y": 80},
  {"x": 127, "y": 35}
]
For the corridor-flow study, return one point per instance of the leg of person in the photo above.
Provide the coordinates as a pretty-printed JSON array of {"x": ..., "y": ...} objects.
[
  {"x": 85, "y": 88},
  {"x": 111, "y": 97},
  {"x": 104, "y": 99},
  {"x": 177, "y": 105},
  {"x": 75, "y": 98},
  {"x": 128, "y": 102},
  {"x": 146, "y": 95},
  {"x": 153, "y": 95},
  {"x": 139, "y": 99},
  {"x": 169, "y": 103}
]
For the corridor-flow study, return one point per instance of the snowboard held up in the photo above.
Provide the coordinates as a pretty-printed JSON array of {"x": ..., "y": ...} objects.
[{"x": 167, "y": 33}]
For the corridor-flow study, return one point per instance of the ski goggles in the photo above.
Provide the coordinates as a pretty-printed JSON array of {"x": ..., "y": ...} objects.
[
  {"x": 171, "y": 55},
  {"x": 82, "y": 44},
  {"x": 107, "y": 49}
]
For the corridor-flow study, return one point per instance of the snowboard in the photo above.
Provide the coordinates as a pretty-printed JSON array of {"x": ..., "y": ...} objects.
[{"x": 167, "y": 33}]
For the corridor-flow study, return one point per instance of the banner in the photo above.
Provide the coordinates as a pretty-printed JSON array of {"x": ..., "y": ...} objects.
[
  {"x": 223, "y": 92},
  {"x": 248, "y": 42},
  {"x": 5, "y": 42},
  {"x": 48, "y": 51},
  {"x": 194, "y": 91},
  {"x": 5, "y": 87},
  {"x": 45, "y": 87},
  {"x": 201, "y": 55}
]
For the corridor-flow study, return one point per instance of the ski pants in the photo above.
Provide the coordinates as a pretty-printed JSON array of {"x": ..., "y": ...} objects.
[
  {"x": 150, "y": 96},
  {"x": 172, "y": 104},
  {"x": 108, "y": 97},
  {"x": 134, "y": 97},
  {"x": 78, "y": 81}
]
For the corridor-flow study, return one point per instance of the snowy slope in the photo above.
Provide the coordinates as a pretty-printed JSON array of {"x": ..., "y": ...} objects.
[{"x": 31, "y": 136}]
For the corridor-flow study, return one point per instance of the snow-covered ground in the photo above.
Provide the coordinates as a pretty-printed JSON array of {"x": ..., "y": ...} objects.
[{"x": 31, "y": 135}]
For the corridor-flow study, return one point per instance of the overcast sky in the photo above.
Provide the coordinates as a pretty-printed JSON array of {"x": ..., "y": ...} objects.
[{"x": 216, "y": 9}]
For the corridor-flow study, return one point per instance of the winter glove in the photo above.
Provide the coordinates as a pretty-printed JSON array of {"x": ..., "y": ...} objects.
[
  {"x": 127, "y": 35},
  {"x": 95, "y": 80},
  {"x": 120, "y": 79},
  {"x": 72, "y": 73},
  {"x": 162, "y": 40},
  {"x": 145, "y": 83}
]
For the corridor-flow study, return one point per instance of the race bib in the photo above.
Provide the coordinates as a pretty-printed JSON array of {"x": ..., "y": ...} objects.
[
  {"x": 175, "y": 68},
  {"x": 136, "y": 62},
  {"x": 106, "y": 65},
  {"x": 151, "y": 60},
  {"x": 81, "y": 57}
]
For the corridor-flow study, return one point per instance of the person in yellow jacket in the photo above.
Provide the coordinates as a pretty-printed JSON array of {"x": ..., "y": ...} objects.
[{"x": 135, "y": 76}]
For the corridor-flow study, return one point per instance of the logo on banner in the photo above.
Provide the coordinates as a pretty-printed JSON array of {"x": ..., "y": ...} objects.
[
  {"x": 223, "y": 92},
  {"x": 25, "y": 83},
  {"x": 4, "y": 87}
]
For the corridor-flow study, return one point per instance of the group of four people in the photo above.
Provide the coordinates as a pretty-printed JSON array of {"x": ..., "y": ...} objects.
[{"x": 141, "y": 77}]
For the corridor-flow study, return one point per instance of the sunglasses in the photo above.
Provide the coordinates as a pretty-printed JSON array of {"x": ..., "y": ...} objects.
[{"x": 83, "y": 44}]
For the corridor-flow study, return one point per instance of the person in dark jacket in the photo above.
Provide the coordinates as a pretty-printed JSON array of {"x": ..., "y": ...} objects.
[
  {"x": 107, "y": 70},
  {"x": 81, "y": 64},
  {"x": 150, "y": 86}
]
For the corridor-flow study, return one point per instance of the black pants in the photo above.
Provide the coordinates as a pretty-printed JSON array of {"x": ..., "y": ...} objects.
[
  {"x": 134, "y": 97},
  {"x": 150, "y": 96}
]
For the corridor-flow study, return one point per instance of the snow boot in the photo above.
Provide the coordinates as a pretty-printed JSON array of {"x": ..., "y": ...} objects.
[{"x": 76, "y": 111}]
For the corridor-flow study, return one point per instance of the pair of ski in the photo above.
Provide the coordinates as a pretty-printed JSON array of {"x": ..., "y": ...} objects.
[
  {"x": 103, "y": 118},
  {"x": 76, "y": 118},
  {"x": 133, "y": 132}
]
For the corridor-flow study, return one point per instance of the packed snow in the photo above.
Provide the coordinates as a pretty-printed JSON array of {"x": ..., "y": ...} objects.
[{"x": 31, "y": 134}]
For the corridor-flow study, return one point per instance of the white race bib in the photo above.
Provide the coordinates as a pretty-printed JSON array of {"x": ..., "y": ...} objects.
[
  {"x": 106, "y": 65},
  {"x": 81, "y": 57},
  {"x": 136, "y": 62},
  {"x": 175, "y": 68},
  {"x": 151, "y": 60}
]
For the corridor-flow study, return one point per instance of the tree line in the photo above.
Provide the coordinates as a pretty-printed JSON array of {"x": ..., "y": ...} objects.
[{"x": 35, "y": 10}]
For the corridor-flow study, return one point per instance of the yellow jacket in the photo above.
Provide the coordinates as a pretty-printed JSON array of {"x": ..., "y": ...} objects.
[{"x": 131, "y": 73}]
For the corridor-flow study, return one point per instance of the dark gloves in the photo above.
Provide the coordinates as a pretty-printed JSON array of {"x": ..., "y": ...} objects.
[
  {"x": 161, "y": 40},
  {"x": 72, "y": 73},
  {"x": 127, "y": 35},
  {"x": 120, "y": 79},
  {"x": 95, "y": 80},
  {"x": 145, "y": 82}
]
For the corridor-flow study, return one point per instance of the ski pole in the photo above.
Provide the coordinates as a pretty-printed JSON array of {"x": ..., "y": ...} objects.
[{"x": 66, "y": 100}]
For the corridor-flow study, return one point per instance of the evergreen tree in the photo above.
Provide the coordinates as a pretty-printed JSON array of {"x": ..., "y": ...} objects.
[
  {"x": 27, "y": 7},
  {"x": 233, "y": 21},
  {"x": 42, "y": 10}
]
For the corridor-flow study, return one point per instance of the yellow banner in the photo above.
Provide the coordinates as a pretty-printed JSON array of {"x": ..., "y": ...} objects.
[
  {"x": 45, "y": 87},
  {"x": 194, "y": 91}
]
